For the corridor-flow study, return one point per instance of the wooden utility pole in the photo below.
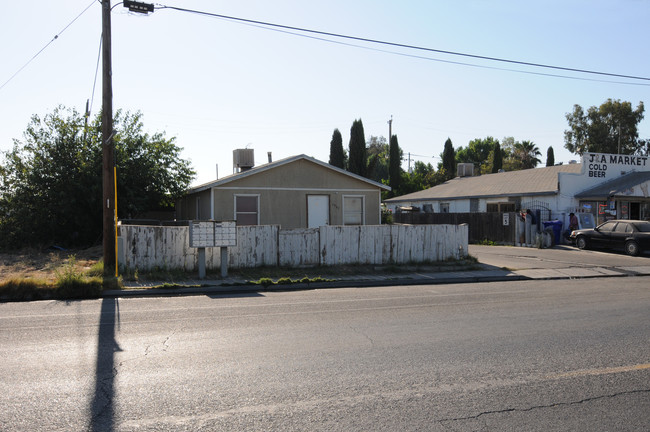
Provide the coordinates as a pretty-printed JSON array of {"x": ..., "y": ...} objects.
[{"x": 108, "y": 202}]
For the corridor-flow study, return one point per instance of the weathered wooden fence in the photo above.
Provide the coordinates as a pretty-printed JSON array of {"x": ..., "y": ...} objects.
[
  {"x": 150, "y": 247},
  {"x": 482, "y": 226}
]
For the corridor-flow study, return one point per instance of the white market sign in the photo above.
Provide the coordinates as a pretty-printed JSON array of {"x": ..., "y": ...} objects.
[{"x": 598, "y": 164}]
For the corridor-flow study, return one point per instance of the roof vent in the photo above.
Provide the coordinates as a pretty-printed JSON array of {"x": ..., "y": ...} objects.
[
  {"x": 465, "y": 170},
  {"x": 243, "y": 159}
]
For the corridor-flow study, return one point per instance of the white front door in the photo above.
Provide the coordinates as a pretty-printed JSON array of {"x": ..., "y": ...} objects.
[{"x": 318, "y": 210}]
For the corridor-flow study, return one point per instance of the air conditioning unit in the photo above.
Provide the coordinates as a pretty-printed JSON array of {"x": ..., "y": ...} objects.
[
  {"x": 243, "y": 159},
  {"x": 465, "y": 170}
]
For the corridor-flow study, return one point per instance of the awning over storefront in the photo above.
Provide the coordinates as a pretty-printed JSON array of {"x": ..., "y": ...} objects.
[{"x": 631, "y": 185}]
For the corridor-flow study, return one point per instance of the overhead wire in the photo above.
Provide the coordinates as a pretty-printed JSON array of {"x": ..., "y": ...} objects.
[
  {"x": 56, "y": 36},
  {"x": 441, "y": 60},
  {"x": 290, "y": 29},
  {"x": 92, "y": 95}
]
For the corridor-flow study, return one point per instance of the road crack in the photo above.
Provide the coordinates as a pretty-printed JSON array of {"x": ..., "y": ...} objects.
[
  {"x": 365, "y": 335},
  {"x": 537, "y": 407},
  {"x": 165, "y": 344}
]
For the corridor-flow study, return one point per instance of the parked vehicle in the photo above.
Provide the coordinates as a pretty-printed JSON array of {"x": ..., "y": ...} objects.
[{"x": 631, "y": 236}]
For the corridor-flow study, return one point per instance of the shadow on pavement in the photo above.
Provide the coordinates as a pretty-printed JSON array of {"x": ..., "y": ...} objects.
[{"x": 102, "y": 406}]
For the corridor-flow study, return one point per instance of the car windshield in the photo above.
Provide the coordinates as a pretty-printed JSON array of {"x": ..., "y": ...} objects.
[{"x": 643, "y": 227}]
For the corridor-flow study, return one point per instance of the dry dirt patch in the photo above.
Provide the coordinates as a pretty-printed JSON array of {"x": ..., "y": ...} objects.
[{"x": 36, "y": 264}]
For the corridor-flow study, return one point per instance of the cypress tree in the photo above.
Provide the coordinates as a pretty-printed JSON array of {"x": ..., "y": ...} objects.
[
  {"x": 394, "y": 165},
  {"x": 358, "y": 155},
  {"x": 337, "y": 155},
  {"x": 497, "y": 159},
  {"x": 449, "y": 159},
  {"x": 550, "y": 157}
]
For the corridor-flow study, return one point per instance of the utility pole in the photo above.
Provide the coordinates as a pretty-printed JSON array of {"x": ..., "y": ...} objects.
[
  {"x": 109, "y": 185},
  {"x": 390, "y": 129},
  {"x": 108, "y": 149}
]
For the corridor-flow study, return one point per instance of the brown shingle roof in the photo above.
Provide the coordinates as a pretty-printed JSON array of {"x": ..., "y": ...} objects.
[{"x": 537, "y": 181}]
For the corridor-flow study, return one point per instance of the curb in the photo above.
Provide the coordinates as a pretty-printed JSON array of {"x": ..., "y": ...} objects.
[
  {"x": 363, "y": 283},
  {"x": 224, "y": 289}
]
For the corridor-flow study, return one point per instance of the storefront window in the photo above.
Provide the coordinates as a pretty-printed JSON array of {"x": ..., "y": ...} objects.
[
  {"x": 645, "y": 211},
  {"x": 625, "y": 210},
  {"x": 602, "y": 210}
]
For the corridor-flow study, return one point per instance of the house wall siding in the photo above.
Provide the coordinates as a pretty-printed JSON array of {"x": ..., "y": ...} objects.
[{"x": 283, "y": 195}]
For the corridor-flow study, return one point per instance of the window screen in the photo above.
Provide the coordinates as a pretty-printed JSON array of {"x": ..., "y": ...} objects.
[
  {"x": 246, "y": 209},
  {"x": 352, "y": 210}
]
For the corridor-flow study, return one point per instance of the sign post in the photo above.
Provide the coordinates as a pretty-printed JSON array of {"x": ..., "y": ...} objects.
[{"x": 213, "y": 234}]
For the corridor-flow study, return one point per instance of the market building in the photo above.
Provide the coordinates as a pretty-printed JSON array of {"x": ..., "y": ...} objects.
[{"x": 601, "y": 187}]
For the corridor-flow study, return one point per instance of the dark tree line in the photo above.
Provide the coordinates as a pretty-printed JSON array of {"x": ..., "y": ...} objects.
[
  {"x": 602, "y": 129},
  {"x": 51, "y": 181}
]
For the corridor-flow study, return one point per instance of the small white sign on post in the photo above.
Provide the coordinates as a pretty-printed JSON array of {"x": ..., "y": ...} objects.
[
  {"x": 213, "y": 234},
  {"x": 506, "y": 219}
]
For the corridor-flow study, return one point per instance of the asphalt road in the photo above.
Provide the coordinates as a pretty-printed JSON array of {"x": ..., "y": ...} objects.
[
  {"x": 519, "y": 258},
  {"x": 534, "y": 356}
]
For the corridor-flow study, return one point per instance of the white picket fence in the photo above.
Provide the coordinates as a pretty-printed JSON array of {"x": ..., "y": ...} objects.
[{"x": 150, "y": 247}]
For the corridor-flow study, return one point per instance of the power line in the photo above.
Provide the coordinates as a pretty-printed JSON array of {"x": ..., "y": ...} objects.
[
  {"x": 56, "y": 36},
  {"x": 446, "y": 61},
  {"x": 414, "y": 47},
  {"x": 99, "y": 56}
]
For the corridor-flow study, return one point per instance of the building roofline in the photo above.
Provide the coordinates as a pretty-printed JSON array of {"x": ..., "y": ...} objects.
[
  {"x": 272, "y": 165},
  {"x": 524, "y": 194}
]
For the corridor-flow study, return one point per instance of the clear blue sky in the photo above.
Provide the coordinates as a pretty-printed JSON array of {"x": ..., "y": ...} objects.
[{"x": 218, "y": 85}]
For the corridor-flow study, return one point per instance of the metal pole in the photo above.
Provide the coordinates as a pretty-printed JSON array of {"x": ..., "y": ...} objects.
[
  {"x": 108, "y": 202},
  {"x": 224, "y": 261},
  {"x": 115, "y": 180}
]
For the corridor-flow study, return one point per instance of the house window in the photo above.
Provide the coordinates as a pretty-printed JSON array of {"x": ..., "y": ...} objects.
[
  {"x": 504, "y": 207},
  {"x": 247, "y": 209},
  {"x": 473, "y": 205},
  {"x": 353, "y": 210},
  {"x": 444, "y": 207}
]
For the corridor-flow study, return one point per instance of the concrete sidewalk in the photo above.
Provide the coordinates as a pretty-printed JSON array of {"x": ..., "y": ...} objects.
[{"x": 485, "y": 274}]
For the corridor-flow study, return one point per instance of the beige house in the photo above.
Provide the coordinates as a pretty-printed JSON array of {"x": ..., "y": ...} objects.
[{"x": 296, "y": 192}]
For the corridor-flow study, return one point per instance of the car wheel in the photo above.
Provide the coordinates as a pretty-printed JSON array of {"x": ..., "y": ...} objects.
[
  {"x": 632, "y": 248},
  {"x": 581, "y": 242}
]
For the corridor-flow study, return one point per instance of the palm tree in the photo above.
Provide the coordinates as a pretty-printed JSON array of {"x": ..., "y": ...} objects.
[{"x": 527, "y": 152}]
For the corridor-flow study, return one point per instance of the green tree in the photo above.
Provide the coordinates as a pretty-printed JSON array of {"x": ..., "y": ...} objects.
[
  {"x": 478, "y": 153},
  {"x": 358, "y": 157},
  {"x": 150, "y": 171},
  {"x": 497, "y": 158},
  {"x": 377, "y": 153},
  {"x": 51, "y": 181},
  {"x": 550, "y": 157},
  {"x": 527, "y": 152},
  {"x": 421, "y": 177},
  {"x": 394, "y": 165},
  {"x": 337, "y": 154},
  {"x": 603, "y": 128},
  {"x": 449, "y": 159},
  {"x": 510, "y": 163}
]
